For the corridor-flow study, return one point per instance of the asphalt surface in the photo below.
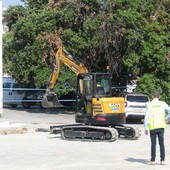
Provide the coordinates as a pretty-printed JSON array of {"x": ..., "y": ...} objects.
[{"x": 43, "y": 151}]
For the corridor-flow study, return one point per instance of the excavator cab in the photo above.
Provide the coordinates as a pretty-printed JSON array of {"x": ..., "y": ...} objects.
[
  {"x": 94, "y": 85},
  {"x": 95, "y": 104},
  {"x": 89, "y": 86}
]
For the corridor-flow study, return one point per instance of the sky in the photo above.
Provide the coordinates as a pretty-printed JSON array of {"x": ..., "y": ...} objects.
[{"x": 7, "y": 3}]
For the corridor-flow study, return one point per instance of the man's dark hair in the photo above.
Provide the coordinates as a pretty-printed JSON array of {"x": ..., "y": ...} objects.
[{"x": 156, "y": 94}]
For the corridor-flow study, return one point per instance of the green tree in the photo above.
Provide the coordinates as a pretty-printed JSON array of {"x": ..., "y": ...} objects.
[
  {"x": 13, "y": 13},
  {"x": 132, "y": 37}
]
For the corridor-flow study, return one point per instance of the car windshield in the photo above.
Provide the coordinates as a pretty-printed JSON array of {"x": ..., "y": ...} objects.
[
  {"x": 7, "y": 85},
  {"x": 137, "y": 98}
]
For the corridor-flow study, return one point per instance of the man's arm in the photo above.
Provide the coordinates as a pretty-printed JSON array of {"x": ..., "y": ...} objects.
[
  {"x": 167, "y": 108},
  {"x": 146, "y": 121}
]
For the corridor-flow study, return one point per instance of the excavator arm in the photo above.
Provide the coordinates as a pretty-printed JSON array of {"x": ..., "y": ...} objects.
[{"x": 62, "y": 57}]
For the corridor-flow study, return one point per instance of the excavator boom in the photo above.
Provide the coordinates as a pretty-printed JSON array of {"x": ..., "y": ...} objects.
[{"x": 50, "y": 99}]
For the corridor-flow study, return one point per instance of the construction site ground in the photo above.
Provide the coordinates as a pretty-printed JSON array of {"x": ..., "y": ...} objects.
[{"x": 27, "y": 149}]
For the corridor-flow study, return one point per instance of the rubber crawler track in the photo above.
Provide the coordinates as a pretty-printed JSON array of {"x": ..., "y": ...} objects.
[
  {"x": 135, "y": 137},
  {"x": 113, "y": 132}
]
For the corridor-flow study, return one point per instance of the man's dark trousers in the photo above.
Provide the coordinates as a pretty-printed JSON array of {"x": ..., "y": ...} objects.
[{"x": 153, "y": 135}]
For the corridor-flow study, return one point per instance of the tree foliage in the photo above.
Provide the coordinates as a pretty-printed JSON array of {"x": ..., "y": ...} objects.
[{"x": 132, "y": 37}]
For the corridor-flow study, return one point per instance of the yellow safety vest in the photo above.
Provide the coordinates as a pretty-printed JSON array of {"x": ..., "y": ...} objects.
[{"x": 156, "y": 115}]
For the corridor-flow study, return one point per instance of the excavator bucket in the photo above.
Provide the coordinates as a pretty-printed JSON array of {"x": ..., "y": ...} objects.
[{"x": 50, "y": 100}]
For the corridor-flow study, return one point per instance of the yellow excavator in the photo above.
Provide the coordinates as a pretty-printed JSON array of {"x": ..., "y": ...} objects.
[{"x": 98, "y": 115}]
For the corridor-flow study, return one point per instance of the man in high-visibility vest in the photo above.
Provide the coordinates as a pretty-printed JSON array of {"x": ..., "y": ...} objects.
[{"x": 155, "y": 123}]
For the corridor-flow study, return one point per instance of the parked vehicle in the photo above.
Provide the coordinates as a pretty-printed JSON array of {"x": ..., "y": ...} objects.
[
  {"x": 12, "y": 95},
  {"x": 135, "y": 105},
  {"x": 32, "y": 98}
]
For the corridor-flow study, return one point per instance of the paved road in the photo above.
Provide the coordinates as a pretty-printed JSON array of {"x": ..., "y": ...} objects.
[{"x": 43, "y": 151}]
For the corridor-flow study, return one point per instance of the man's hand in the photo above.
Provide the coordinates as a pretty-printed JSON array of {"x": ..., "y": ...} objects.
[
  {"x": 146, "y": 132},
  {"x": 167, "y": 121}
]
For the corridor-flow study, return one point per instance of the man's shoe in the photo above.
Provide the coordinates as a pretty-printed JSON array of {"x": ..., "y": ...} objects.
[
  {"x": 151, "y": 163},
  {"x": 162, "y": 163}
]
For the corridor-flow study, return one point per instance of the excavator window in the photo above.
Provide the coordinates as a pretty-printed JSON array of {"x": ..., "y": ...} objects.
[
  {"x": 84, "y": 93},
  {"x": 87, "y": 88},
  {"x": 100, "y": 90},
  {"x": 102, "y": 84}
]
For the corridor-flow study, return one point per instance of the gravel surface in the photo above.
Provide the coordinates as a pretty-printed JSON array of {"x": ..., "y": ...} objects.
[{"x": 43, "y": 151}]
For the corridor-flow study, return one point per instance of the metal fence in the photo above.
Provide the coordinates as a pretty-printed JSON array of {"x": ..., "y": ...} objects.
[{"x": 32, "y": 96}]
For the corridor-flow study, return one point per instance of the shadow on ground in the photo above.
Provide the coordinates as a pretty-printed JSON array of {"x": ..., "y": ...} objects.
[{"x": 143, "y": 161}]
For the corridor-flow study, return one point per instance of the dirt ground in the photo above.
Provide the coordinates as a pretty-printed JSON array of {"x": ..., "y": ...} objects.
[{"x": 42, "y": 151}]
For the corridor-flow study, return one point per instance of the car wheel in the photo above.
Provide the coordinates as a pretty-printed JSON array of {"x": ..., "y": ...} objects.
[
  {"x": 40, "y": 104},
  {"x": 26, "y": 105},
  {"x": 13, "y": 105}
]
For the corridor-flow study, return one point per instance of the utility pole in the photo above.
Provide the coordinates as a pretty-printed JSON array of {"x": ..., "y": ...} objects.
[{"x": 1, "y": 69}]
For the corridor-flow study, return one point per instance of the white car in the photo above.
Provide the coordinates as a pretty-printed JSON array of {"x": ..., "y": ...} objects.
[
  {"x": 135, "y": 105},
  {"x": 12, "y": 95}
]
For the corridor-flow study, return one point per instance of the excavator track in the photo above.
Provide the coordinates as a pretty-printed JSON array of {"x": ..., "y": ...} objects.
[
  {"x": 128, "y": 133},
  {"x": 89, "y": 133},
  {"x": 80, "y": 132}
]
